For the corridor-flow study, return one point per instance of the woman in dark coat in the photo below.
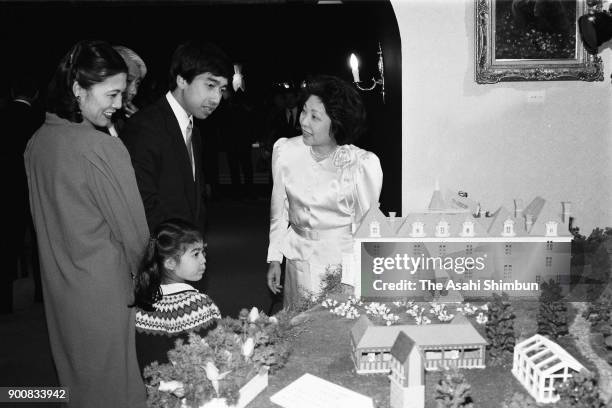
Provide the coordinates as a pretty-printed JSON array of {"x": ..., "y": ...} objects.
[{"x": 91, "y": 230}]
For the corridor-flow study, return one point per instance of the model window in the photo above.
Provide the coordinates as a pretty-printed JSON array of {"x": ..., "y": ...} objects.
[{"x": 375, "y": 229}]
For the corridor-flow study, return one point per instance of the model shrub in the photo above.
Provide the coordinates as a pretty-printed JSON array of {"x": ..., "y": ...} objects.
[
  {"x": 500, "y": 330},
  {"x": 220, "y": 363},
  {"x": 580, "y": 391},
  {"x": 599, "y": 313},
  {"x": 519, "y": 400},
  {"x": 453, "y": 391},
  {"x": 552, "y": 313}
]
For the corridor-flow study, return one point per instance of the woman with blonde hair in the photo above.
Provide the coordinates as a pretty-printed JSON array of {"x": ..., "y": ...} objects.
[{"x": 137, "y": 70}]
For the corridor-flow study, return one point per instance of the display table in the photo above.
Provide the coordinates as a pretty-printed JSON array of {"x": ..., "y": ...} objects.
[{"x": 322, "y": 347}]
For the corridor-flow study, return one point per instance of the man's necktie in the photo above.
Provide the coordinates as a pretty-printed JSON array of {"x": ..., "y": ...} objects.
[{"x": 189, "y": 144}]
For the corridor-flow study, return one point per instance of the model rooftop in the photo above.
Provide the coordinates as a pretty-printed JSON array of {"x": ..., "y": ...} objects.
[{"x": 454, "y": 215}]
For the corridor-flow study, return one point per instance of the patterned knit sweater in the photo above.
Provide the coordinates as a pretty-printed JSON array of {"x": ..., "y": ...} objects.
[{"x": 181, "y": 310}]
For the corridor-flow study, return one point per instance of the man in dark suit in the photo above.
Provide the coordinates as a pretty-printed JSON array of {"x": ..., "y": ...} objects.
[
  {"x": 166, "y": 149},
  {"x": 285, "y": 122},
  {"x": 20, "y": 120}
]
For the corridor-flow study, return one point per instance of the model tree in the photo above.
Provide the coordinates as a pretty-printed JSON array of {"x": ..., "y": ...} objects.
[
  {"x": 578, "y": 256},
  {"x": 500, "y": 329},
  {"x": 453, "y": 391},
  {"x": 552, "y": 315},
  {"x": 597, "y": 256},
  {"x": 599, "y": 313}
]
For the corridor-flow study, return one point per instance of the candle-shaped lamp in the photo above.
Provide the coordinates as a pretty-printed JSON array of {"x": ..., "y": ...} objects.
[
  {"x": 237, "y": 80},
  {"x": 354, "y": 63}
]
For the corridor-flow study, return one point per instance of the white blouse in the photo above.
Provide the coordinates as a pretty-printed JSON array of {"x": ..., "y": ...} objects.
[{"x": 320, "y": 200}]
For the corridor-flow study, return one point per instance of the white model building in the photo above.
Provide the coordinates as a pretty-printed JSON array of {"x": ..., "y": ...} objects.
[
  {"x": 540, "y": 365},
  {"x": 446, "y": 345},
  {"x": 407, "y": 378},
  {"x": 529, "y": 244}
]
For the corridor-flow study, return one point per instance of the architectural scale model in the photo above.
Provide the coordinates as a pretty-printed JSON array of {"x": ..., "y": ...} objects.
[
  {"x": 407, "y": 351},
  {"x": 528, "y": 245},
  {"x": 448, "y": 345},
  {"x": 540, "y": 364},
  {"x": 407, "y": 388}
]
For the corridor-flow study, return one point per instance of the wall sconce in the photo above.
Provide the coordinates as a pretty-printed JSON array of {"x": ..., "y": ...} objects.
[
  {"x": 354, "y": 64},
  {"x": 238, "y": 79}
]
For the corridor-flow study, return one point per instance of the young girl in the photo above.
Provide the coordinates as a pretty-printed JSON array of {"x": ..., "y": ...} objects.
[{"x": 168, "y": 307}]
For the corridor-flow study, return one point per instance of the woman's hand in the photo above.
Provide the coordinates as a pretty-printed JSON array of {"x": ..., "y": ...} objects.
[{"x": 274, "y": 277}]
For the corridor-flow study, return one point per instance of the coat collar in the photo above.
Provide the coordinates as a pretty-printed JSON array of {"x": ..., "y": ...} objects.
[
  {"x": 53, "y": 119},
  {"x": 173, "y": 288}
]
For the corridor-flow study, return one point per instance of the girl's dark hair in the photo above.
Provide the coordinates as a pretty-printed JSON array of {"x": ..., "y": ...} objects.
[
  {"x": 193, "y": 58},
  {"x": 169, "y": 240},
  {"x": 343, "y": 105},
  {"x": 87, "y": 63}
]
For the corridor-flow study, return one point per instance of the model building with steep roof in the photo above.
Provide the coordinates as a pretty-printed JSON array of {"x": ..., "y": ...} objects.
[
  {"x": 407, "y": 378},
  {"x": 529, "y": 244}
]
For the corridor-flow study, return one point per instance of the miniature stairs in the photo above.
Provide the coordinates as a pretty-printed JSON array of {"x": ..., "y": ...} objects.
[{"x": 579, "y": 329}]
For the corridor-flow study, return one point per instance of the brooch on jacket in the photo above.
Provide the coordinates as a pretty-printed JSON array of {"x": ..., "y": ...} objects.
[{"x": 342, "y": 157}]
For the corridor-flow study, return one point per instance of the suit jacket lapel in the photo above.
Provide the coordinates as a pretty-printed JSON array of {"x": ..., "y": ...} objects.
[{"x": 182, "y": 157}]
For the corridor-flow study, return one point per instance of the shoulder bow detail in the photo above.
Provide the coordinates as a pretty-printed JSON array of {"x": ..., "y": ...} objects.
[
  {"x": 343, "y": 157},
  {"x": 360, "y": 179}
]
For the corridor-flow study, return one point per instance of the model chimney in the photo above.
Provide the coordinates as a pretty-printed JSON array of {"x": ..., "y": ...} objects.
[
  {"x": 518, "y": 207},
  {"x": 566, "y": 211},
  {"x": 528, "y": 222}
]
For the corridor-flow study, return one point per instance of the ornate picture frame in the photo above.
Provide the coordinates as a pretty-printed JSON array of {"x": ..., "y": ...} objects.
[{"x": 511, "y": 46}]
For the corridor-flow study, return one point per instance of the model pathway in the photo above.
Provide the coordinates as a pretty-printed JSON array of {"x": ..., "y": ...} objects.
[{"x": 580, "y": 329}]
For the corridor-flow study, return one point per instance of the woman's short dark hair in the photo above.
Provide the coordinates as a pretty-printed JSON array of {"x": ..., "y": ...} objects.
[
  {"x": 343, "y": 105},
  {"x": 87, "y": 63},
  {"x": 191, "y": 59}
]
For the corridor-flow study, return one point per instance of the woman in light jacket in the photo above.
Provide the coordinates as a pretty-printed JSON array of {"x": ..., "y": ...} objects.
[{"x": 322, "y": 186}]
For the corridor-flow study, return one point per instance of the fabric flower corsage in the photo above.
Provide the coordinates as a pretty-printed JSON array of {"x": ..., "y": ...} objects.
[{"x": 342, "y": 157}]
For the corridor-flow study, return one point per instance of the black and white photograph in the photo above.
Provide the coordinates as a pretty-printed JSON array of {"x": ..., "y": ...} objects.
[{"x": 306, "y": 203}]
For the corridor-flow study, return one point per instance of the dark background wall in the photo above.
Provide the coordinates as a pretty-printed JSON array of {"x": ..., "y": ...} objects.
[{"x": 275, "y": 40}]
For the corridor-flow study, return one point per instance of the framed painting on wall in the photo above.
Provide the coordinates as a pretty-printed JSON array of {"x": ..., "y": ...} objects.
[{"x": 532, "y": 40}]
